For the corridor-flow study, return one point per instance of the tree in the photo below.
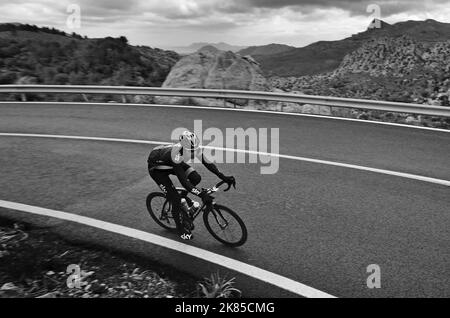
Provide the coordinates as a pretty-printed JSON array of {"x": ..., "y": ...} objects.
[{"x": 123, "y": 39}]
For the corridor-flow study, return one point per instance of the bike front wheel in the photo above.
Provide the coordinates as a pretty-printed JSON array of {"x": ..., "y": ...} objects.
[{"x": 225, "y": 226}]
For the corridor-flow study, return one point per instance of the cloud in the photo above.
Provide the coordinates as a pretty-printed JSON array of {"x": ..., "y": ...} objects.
[
  {"x": 190, "y": 10},
  {"x": 354, "y": 7},
  {"x": 243, "y": 22}
]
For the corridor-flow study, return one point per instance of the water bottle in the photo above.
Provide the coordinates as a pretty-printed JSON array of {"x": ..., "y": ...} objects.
[{"x": 194, "y": 208}]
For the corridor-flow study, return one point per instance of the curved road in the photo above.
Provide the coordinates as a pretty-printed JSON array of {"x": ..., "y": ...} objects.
[{"x": 318, "y": 224}]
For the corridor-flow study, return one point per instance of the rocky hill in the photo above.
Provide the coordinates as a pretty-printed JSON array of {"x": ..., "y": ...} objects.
[
  {"x": 211, "y": 68},
  {"x": 399, "y": 69},
  {"x": 398, "y": 57},
  {"x": 29, "y": 54},
  {"x": 396, "y": 69},
  {"x": 326, "y": 56}
]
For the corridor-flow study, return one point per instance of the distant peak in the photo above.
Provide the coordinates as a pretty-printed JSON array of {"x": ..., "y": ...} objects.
[{"x": 209, "y": 49}]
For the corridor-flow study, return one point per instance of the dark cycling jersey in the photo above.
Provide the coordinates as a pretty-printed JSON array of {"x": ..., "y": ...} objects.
[{"x": 170, "y": 158}]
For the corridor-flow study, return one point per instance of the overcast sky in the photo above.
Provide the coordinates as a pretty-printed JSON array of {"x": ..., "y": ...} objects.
[{"x": 168, "y": 23}]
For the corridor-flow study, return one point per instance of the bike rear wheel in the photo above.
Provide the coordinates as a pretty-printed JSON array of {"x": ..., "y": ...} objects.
[
  {"x": 225, "y": 225},
  {"x": 160, "y": 209}
]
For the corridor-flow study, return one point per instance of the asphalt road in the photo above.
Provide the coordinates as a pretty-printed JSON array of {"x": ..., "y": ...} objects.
[{"x": 318, "y": 224}]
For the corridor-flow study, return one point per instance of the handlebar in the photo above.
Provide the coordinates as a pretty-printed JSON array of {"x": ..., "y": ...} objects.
[{"x": 217, "y": 186}]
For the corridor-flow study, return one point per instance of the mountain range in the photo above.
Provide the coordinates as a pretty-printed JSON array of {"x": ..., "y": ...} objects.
[
  {"x": 368, "y": 64},
  {"x": 269, "y": 49},
  {"x": 325, "y": 56},
  {"x": 401, "y": 69}
]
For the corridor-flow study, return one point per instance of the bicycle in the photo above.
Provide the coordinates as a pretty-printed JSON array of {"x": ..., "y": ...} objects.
[{"x": 218, "y": 219}]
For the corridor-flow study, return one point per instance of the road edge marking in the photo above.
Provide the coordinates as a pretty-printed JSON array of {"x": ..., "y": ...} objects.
[
  {"x": 232, "y": 109},
  {"x": 238, "y": 266}
]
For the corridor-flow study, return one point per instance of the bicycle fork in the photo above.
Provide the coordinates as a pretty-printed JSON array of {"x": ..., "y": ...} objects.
[{"x": 223, "y": 223}]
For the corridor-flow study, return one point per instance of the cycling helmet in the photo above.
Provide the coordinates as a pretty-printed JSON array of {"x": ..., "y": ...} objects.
[{"x": 189, "y": 140}]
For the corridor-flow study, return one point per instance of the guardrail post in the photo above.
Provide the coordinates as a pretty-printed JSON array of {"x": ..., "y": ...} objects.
[{"x": 24, "y": 97}]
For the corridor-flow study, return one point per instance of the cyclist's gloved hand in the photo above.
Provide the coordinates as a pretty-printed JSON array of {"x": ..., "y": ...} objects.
[
  {"x": 206, "y": 197},
  {"x": 231, "y": 181}
]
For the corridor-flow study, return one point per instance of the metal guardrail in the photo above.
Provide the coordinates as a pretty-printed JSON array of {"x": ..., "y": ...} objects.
[{"x": 233, "y": 94}]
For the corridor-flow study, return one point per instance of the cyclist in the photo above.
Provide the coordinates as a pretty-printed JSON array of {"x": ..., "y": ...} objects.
[{"x": 170, "y": 159}]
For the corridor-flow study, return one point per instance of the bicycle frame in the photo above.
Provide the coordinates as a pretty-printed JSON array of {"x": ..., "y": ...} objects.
[{"x": 204, "y": 206}]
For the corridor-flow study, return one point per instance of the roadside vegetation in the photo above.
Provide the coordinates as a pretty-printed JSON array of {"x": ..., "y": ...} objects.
[{"x": 34, "y": 263}]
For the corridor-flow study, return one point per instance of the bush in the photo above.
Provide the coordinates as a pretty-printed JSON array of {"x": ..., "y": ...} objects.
[{"x": 217, "y": 287}]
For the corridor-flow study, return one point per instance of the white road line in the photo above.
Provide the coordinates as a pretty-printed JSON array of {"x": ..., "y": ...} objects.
[
  {"x": 231, "y": 109},
  {"x": 343, "y": 165},
  {"x": 249, "y": 270},
  {"x": 324, "y": 162}
]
